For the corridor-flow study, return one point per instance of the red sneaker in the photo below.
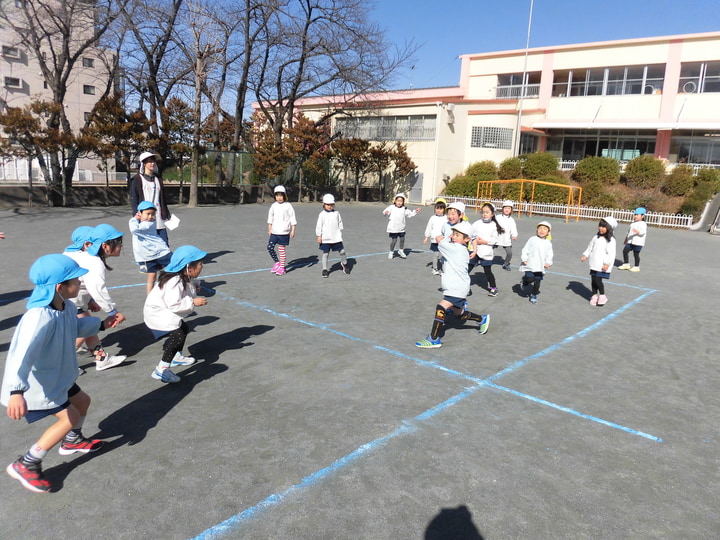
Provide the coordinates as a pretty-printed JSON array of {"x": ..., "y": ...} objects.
[
  {"x": 30, "y": 476},
  {"x": 81, "y": 445}
]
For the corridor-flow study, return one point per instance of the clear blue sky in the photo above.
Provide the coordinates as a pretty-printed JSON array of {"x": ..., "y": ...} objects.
[{"x": 449, "y": 28}]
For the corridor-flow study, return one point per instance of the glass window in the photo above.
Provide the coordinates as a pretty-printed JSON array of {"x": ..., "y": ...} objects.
[
  {"x": 13, "y": 82},
  {"x": 88, "y": 62},
  {"x": 491, "y": 137},
  {"x": 88, "y": 89}
]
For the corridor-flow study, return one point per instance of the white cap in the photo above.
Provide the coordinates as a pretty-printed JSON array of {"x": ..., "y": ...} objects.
[
  {"x": 463, "y": 227},
  {"x": 399, "y": 195},
  {"x": 611, "y": 221},
  {"x": 545, "y": 224},
  {"x": 279, "y": 189},
  {"x": 457, "y": 205},
  {"x": 328, "y": 199},
  {"x": 507, "y": 203},
  {"x": 142, "y": 157}
]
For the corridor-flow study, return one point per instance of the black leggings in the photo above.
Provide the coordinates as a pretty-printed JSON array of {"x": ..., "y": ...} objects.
[
  {"x": 489, "y": 275},
  {"x": 175, "y": 342},
  {"x": 636, "y": 254},
  {"x": 597, "y": 285}
]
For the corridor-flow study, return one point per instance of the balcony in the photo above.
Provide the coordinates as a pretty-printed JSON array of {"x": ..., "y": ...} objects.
[{"x": 514, "y": 91}]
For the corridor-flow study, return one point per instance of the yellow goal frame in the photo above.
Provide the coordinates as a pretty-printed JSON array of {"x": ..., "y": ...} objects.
[{"x": 485, "y": 192}]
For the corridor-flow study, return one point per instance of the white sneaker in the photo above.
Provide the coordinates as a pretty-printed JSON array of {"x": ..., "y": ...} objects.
[
  {"x": 181, "y": 360},
  {"x": 635, "y": 269},
  {"x": 401, "y": 252},
  {"x": 625, "y": 266},
  {"x": 390, "y": 254},
  {"x": 109, "y": 361},
  {"x": 166, "y": 375}
]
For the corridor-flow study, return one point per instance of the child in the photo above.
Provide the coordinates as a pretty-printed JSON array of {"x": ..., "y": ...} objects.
[
  {"x": 635, "y": 240},
  {"x": 398, "y": 214},
  {"x": 172, "y": 299},
  {"x": 433, "y": 230},
  {"x": 329, "y": 234},
  {"x": 486, "y": 232},
  {"x": 456, "y": 286},
  {"x": 537, "y": 257},
  {"x": 151, "y": 251},
  {"x": 600, "y": 255},
  {"x": 455, "y": 214},
  {"x": 281, "y": 228},
  {"x": 104, "y": 241},
  {"x": 41, "y": 368},
  {"x": 80, "y": 238},
  {"x": 506, "y": 239}
]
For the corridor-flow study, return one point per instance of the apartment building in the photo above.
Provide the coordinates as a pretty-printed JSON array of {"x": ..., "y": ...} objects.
[{"x": 619, "y": 99}]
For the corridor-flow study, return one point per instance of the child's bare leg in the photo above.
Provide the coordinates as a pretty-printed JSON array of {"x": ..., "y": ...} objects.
[
  {"x": 66, "y": 419},
  {"x": 150, "y": 281}
]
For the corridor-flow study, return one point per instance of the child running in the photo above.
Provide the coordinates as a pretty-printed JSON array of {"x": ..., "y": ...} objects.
[
  {"x": 506, "y": 239},
  {"x": 433, "y": 230},
  {"x": 537, "y": 257},
  {"x": 635, "y": 240},
  {"x": 486, "y": 232},
  {"x": 104, "y": 241},
  {"x": 281, "y": 228},
  {"x": 600, "y": 255},
  {"x": 398, "y": 214},
  {"x": 455, "y": 282},
  {"x": 329, "y": 234},
  {"x": 172, "y": 299},
  {"x": 41, "y": 368},
  {"x": 150, "y": 250}
]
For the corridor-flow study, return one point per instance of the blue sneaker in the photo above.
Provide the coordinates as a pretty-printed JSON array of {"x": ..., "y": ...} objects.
[
  {"x": 484, "y": 324},
  {"x": 429, "y": 343}
]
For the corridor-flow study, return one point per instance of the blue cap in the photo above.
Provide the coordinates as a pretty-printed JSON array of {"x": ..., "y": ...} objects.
[
  {"x": 46, "y": 273},
  {"x": 640, "y": 210},
  {"x": 183, "y": 256},
  {"x": 146, "y": 205},
  {"x": 79, "y": 237},
  {"x": 100, "y": 234}
]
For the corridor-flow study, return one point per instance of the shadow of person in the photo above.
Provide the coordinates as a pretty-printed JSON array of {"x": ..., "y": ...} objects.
[
  {"x": 208, "y": 287},
  {"x": 10, "y": 297},
  {"x": 453, "y": 524},
  {"x": 580, "y": 289},
  {"x": 300, "y": 263},
  {"x": 210, "y": 257},
  {"x": 234, "y": 339}
]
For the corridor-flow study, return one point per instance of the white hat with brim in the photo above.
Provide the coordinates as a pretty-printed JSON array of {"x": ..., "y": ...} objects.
[
  {"x": 279, "y": 189},
  {"x": 46, "y": 273},
  {"x": 142, "y": 157},
  {"x": 611, "y": 221},
  {"x": 183, "y": 256},
  {"x": 457, "y": 205},
  {"x": 545, "y": 224},
  {"x": 463, "y": 227},
  {"x": 328, "y": 199}
]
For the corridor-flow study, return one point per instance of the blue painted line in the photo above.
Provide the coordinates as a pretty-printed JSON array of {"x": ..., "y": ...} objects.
[
  {"x": 573, "y": 412},
  {"x": 311, "y": 480}
]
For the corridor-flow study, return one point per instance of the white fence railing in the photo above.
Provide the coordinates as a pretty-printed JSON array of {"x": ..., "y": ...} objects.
[{"x": 677, "y": 221}]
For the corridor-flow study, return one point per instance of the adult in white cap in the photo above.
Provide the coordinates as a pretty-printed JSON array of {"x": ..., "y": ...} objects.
[
  {"x": 600, "y": 255},
  {"x": 147, "y": 185},
  {"x": 41, "y": 368}
]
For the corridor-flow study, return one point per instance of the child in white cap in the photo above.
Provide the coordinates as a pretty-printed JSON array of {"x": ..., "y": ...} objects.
[
  {"x": 150, "y": 250},
  {"x": 537, "y": 257},
  {"x": 41, "y": 367},
  {"x": 281, "y": 228},
  {"x": 329, "y": 234},
  {"x": 510, "y": 234},
  {"x": 433, "y": 230},
  {"x": 398, "y": 215},
  {"x": 456, "y": 286},
  {"x": 600, "y": 255},
  {"x": 172, "y": 299}
]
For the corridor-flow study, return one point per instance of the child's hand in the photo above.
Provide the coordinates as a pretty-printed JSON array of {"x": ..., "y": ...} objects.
[
  {"x": 605, "y": 267},
  {"x": 417, "y": 210},
  {"x": 524, "y": 263},
  {"x": 514, "y": 238},
  {"x": 425, "y": 240},
  {"x": 547, "y": 266},
  {"x": 199, "y": 301},
  {"x": 319, "y": 239},
  {"x": 17, "y": 406},
  {"x": 2, "y": 236},
  {"x": 138, "y": 216},
  {"x": 93, "y": 306},
  {"x": 583, "y": 258}
]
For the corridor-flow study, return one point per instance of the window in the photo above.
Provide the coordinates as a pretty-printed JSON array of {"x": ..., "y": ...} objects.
[
  {"x": 388, "y": 128},
  {"x": 510, "y": 85},
  {"x": 86, "y": 116},
  {"x": 13, "y": 82},
  {"x": 699, "y": 77},
  {"x": 491, "y": 137},
  {"x": 609, "y": 81},
  {"x": 88, "y": 89},
  {"x": 10, "y": 52},
  {"x": 18, "y": 3},
  {"x": 88, "y": 62}
]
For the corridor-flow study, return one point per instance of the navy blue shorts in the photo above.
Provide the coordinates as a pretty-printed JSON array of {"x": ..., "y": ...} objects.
[
  {"x": 152, "y": 267},
  {"x": 633, "y": 247},
  {"x": 534, "y": 275},
  {"x": 486, "y": 262},
  {"x": 604, "y": 275},
  {"x": 455, "y": 301},
  {"x": 327, "y": 248},
  {"x": 280, "y": 239},
  {"x": 396, "y": 235},
  {"x": 434, "y": 247},
  {"x": 39, "y": 414}
]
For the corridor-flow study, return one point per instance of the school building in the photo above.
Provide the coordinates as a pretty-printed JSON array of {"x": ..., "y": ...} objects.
[{"x": 620, "y": 99}]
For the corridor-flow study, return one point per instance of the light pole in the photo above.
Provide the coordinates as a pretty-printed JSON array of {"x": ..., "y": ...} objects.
[{"x": 518, "y": 126}]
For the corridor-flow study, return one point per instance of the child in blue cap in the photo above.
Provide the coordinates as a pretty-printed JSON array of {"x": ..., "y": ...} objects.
[
  {"x": 172, "y": 299},
  {"x": 150, "y": 250},
  {"x": 104, "y": 241},
  {"x": 41, "y": 367}
]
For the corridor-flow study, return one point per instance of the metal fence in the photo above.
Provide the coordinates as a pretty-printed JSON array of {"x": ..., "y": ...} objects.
[{"x": 676, "y": 221}]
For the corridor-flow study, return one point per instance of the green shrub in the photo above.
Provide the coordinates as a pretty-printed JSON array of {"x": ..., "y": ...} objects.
[
  {"x": 539, "y": 164},
  {"x": 693, "y": 206},
  {"x": 510, "y": 169},
  {"x": 605, "y": 200},
  {"x": 709, "y": 174},
  {"x": 482, "y": 170},
  {"x": 551, "y": 194},
  {"x": 462, "y": 186},
  {"x": 592, "y": 191},
  {"x": 704, "y": 191},
  {"x": 597, "y": 168},
  {"x": 645, "y": 172},
  {"x": 680, "y": 181},
  {"x": 512, "y": 192}
]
